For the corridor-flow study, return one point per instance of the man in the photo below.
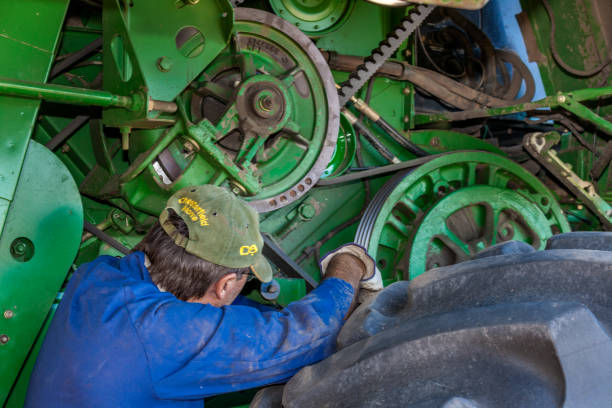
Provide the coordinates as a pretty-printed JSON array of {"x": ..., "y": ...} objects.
[{"x": 164, "y": 326}]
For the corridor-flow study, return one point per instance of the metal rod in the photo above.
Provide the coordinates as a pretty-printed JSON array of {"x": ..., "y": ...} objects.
[
  {"x": 66, "y": 132},
  {"x": 548, "y": 102},
  {"x": 371, "y": 114},
  {"x": 104, "y": 237},
  {"x": 72, "y": 59},
  {"x": 585, "y": 113},
  {"x": 65, "y": 94}
]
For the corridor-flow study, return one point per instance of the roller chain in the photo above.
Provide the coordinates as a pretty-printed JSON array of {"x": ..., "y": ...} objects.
[{"x": 385, "y": 50}]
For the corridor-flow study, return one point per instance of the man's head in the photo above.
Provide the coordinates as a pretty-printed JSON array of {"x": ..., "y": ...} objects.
[{"x": 205, "y": 245}]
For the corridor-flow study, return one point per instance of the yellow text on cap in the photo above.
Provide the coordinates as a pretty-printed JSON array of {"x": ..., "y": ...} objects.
[
  {"x": 248, "y": 250},
  {"x": 193, "y": 210}
]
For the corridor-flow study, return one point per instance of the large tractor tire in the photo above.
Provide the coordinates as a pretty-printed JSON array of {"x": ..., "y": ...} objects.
[{"x": 513, "y": 328}]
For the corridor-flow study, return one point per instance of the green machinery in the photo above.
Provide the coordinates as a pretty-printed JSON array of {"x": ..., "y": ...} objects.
[{"x": 430, "y": 150}]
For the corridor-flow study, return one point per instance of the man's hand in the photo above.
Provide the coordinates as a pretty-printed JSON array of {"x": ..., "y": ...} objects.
[
  {"x": 352, "y": 264},
  {"x": 346, "y": 267},
  {"x": 370, "y": 278},
  {"x": 350, "y": 269}
]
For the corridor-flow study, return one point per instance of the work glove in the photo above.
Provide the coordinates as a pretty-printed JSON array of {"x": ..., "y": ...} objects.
[{"x": 372, "y": 279}]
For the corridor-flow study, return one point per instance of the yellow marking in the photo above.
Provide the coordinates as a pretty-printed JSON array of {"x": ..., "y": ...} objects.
[
  {"x": 248, "y": 250},
  {"x": 193, "y": 210}
]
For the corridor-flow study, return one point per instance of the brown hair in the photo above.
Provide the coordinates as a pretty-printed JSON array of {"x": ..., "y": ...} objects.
[{"x": 175, "y": 270}]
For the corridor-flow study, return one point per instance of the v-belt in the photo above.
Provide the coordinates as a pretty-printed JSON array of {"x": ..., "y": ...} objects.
[{"x": 377, "y": 171}]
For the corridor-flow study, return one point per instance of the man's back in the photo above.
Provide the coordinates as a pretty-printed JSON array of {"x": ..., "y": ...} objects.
[{"x": 116, "y": 340}]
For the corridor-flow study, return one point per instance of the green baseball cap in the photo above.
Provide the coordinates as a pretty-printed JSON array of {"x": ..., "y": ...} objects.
[{"x": 222, "y": 228}]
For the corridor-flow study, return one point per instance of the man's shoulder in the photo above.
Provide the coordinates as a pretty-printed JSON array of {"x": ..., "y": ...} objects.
[
  {"x": 108, "y": 276},
  {"x": 106, "y": 267}
]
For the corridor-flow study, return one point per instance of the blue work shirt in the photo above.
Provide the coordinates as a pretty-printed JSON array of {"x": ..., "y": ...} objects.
[{"x": 117, "y": 341}]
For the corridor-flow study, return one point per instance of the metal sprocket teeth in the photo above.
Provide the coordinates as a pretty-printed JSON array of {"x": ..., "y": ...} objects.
[{"x": 385, "y": 50}]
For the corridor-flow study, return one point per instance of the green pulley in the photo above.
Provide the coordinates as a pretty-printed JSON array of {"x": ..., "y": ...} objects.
[
  {"x": 314, "y": 17},
  {"x": 453, "y": 207}
]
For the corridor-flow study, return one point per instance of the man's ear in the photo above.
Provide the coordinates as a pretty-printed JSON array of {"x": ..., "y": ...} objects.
[{"x": 223, "y": 287}]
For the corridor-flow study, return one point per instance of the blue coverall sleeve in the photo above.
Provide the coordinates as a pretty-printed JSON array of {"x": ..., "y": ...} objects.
[
  {"x": 245, "y": 301},
  {"x": 197, "y": 350}
]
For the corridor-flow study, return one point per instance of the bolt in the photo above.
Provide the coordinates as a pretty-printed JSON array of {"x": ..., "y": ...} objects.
[
  {"x": 4, "y": 339},
  {"x": 580, "y": 207},
  {"x": 236, "y": 190},
  {"x": 266, "y": 103},
  {"x": 408, "y": 53},
  {"x": 590, "y": 189},
  {"x": 164, "y": 64},
  {"x": 406, "y": 119},
  {"x": 8, "y": 314},
  {"x": 189, "y": 147},
  {"x": 561, "y": 99},
  {"x": 20, "y": 248},
  {"x": 307, "y": 211},
  {"x": 65, "y": 148},
  {"x": 407, "y": 90}
]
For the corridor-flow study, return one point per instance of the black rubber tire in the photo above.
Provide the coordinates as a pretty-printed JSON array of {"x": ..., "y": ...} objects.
[{"x": 512, "y": 330}]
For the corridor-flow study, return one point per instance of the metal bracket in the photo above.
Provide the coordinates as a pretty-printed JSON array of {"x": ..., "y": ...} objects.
[{"x": 539, "y": 146}]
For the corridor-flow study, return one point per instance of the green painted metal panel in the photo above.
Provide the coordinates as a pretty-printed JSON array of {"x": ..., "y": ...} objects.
[
  {"x": 28, "y": 38},
  {"x": 580, "y": 37},
  {"x": 39, "y": 242},
  {"x": 17, "y": 396},
  {"x": 156, "y": 48}
]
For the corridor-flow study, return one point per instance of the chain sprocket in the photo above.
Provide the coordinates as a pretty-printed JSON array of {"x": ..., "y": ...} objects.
[{"x": 385, "y": 50}]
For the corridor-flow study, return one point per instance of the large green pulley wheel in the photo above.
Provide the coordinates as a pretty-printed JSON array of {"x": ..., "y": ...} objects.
[
  {"x": 282, "y": 93},
  {"x": 453, "y": 207}
]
